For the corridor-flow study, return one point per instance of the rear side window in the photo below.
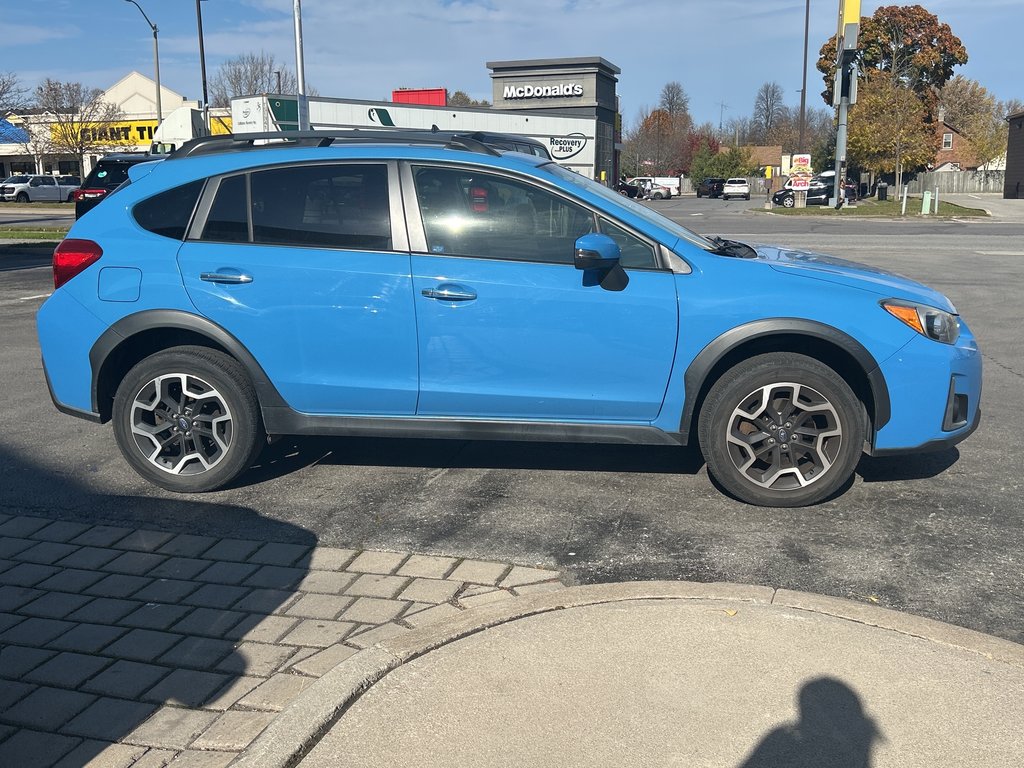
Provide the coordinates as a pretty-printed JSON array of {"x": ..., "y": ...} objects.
[
  {"x": 169, "y": 212},
  {"x": 228, "y": 221},
  {"x": 333, "y": 206}
]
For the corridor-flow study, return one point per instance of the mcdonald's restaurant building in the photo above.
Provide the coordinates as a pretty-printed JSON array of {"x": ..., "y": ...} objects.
[{"x": 569, "y": 105}]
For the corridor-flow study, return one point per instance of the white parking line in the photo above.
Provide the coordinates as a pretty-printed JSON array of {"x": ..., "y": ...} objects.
[{"x": 37, "y": 296}]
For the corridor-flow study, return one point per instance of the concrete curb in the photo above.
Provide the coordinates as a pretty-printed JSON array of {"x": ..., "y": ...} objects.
[{"x": 299, "y": 727}]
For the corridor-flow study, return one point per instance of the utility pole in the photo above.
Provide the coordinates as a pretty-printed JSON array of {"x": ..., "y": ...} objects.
[
  {"x": 721, "y": 114},
  {"x": 202, "y": 69},
  {"x": 845, "y": 87},
  {"x": 803, "y": 88}
]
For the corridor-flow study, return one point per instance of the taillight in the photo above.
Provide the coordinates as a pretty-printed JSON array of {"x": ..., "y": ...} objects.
[
  {"x": 478, "y": 199},
  {"x": 72, "y": 257},
  {"x": 85, "y": 194}
]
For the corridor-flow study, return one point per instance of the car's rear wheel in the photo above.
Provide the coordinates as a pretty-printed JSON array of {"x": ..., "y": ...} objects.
[
  {"x": 187, "y": 419},
  {"x": 781, "y": 430}
]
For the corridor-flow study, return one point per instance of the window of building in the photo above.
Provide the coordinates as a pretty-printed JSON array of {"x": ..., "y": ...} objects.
[
  {"x": 334, "y": 206},
  {"x": 947, "y": 141},
  {"x": 169, "y": 213},
  {"x": 468, "y": 213}
]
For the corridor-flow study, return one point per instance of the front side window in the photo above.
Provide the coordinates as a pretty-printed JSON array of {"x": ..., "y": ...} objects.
[
  {"x": 335, "y": 206},
  {"x": 467, "y": 213},
  {"x": 635, "y": 252}
]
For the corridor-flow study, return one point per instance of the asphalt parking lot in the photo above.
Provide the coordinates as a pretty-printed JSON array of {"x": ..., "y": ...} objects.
[{"x": 938, "y": 535}]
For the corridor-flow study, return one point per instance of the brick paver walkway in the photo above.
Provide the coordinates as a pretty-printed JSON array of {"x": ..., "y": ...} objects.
[{"x": 122, "y": 647}]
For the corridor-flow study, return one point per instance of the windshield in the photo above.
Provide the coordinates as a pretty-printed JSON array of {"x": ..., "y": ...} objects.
[
  {"x": 16, "y": 180},
  {"x": 647, "y": 214}
]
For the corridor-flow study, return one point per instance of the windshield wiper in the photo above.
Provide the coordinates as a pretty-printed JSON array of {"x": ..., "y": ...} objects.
[{"x": 732, "y": 248}]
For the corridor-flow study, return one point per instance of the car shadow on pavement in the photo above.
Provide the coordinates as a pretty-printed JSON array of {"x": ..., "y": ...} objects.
[
  {"x": 917, "y": 466},
  {"x": 122, "y": 632},
  {"x": 290, "y": 454},
  {"x": 833, "y": 730}
]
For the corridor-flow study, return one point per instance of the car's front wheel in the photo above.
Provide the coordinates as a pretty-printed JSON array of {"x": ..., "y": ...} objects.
[
  {"x": 788, "y": 202},
  {"x": 21, "y": 197},
  {"x": 187, "y": 419},
  {"x": 781, "y": 430}
]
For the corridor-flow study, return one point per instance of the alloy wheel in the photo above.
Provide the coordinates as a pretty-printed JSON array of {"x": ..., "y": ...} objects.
[
  {"x": 181, "y": 424},
  {"x": 784, "y": 436}
]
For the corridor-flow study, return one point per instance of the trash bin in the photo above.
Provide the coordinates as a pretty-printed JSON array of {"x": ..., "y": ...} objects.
[
  {"x": 862, "y": 190},
  {"x": 883, "y": 191}
]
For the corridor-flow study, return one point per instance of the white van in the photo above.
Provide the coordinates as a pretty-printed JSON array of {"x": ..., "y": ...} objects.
[{"x": 669, "y": 182}]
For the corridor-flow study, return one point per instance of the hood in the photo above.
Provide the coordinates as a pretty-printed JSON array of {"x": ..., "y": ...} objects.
[{"x": 818, "y": 266}]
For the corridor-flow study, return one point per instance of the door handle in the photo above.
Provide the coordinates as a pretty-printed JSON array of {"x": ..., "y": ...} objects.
[
  {"x": 222, "y": 277},
  {"x": 448, "y": 292}
]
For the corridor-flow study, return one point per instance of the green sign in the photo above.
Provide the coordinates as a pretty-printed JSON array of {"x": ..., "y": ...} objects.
[{"x": 285, "y": 113}]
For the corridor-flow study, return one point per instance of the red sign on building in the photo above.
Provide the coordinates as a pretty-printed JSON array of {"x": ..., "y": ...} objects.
[{"x": 431, "y": 97}]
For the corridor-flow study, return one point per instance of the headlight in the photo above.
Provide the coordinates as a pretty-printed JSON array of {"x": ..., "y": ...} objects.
[{"x": 928, "y": 321}]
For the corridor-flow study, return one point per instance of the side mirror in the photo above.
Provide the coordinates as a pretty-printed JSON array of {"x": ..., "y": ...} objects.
[{"x": 596, "y": 251}]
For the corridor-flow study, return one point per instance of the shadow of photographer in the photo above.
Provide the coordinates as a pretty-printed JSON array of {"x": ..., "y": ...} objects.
[{"x": 833, "y": 731}]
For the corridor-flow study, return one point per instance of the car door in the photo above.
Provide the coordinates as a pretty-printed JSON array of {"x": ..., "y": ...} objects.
[
  {"x": 308, "y": 266},
  {"x": 44, "y": 188},
  {"x": 508, "y": 328}
]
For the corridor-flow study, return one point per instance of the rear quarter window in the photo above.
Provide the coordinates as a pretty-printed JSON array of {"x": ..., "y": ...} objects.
[{"x": 169, "y": 212}]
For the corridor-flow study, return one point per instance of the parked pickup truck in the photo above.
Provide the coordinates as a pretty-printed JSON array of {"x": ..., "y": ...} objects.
[{"x": 33, "y": 189}]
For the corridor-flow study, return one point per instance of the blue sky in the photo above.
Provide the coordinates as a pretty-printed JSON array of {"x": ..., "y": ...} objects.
[{"x": 720, "y": 50}]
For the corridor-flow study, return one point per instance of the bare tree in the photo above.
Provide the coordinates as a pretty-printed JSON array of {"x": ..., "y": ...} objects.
[
  {"x": 77, "y": 118},
  {"x": 38, "y": 142},
  {"x": 769, "y": 110},
  {"x": 252, "y": 73},
  {"x": 674, "y": 100},
  {"x": 12, "y": 95}
]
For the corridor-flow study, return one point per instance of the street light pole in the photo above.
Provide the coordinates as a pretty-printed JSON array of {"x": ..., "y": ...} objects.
[
  {"x": 156, "y": 59},
  {"x": 202, "y": 69},
  {"x": 300, "y": 69}
]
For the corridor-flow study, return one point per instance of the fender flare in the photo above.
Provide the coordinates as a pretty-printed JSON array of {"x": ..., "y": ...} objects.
[
  {"x": 163, "y": 319},
  {"x": 699, "y": 369}
]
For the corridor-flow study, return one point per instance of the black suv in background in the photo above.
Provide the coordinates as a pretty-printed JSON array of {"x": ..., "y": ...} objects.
[
  {"x": 108, "y": 174},
  {"x": 711, "y": 187}
]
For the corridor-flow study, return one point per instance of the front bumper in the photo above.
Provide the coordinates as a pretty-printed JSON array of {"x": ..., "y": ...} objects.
[{"x": 935, "y": 395}]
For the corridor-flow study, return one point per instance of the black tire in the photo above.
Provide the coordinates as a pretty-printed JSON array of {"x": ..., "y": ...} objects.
[
  {"x": 788, "y": 202},
  {"x": 202, "y": 390},
  {"x": 783, "y": 453},
  {"x": 699, "y": 194},
  {"x": 21, "y": 197},
  {"x": 70, "y": 197},
  {"x": 746, "y": 197}
]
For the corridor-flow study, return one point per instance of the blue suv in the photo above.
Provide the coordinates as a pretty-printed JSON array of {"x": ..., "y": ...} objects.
[{"x": 317, "y": 283}]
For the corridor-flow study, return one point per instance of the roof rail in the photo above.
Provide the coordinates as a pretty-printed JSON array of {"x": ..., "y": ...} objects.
[{"x": 277, "y": 139}]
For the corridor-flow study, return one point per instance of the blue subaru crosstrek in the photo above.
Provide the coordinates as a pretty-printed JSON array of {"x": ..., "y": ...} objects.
[{"x": 329, "y": 284}]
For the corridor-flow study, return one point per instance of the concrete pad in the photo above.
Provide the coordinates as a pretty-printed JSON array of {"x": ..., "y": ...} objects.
[{"x": 696, "y": 682}]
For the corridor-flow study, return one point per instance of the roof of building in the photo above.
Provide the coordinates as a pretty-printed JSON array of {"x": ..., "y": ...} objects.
[{"x": 10, "y": 134}]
